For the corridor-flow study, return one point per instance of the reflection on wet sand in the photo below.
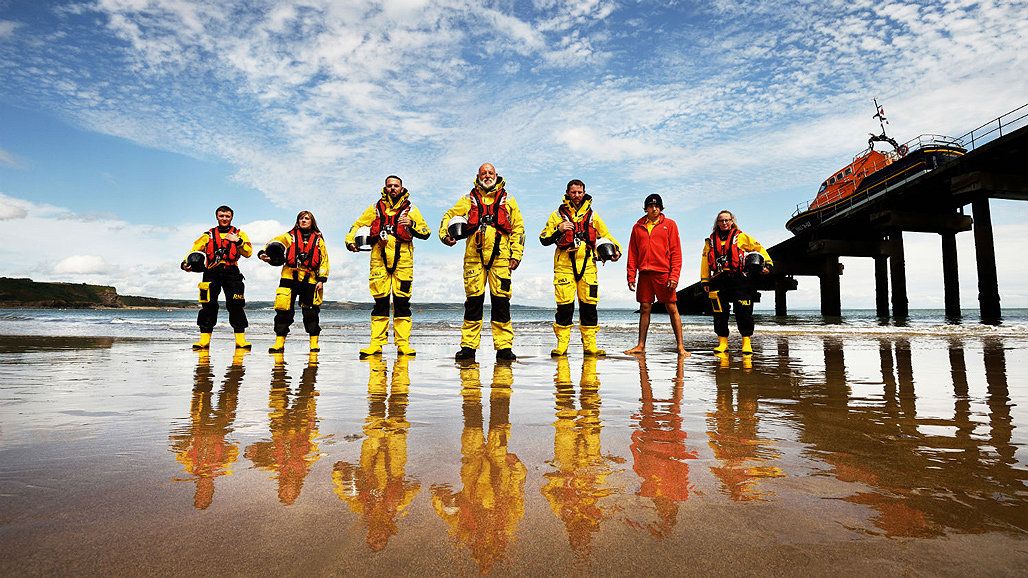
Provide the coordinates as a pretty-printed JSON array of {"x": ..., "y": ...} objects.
[
  {"x": 294, "y": 428},
  {"x": 579, "y": 483},
  {"x": 659, "y": 450},
  {"x": 484, "y": 514},
  {"x": 378, "y": 488},
  {"x": 925, "y": 475},
  {"x": 746, "y": 458},
  {"x": 201, "y": 446}
]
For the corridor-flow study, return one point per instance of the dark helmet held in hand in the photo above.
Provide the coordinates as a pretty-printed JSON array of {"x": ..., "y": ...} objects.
[
  {"x": 276, "y": 253},
  {"x": 754, "y": 263},
  {"x": 197, "y": 262},
  {"x": 605, "y": 249}
]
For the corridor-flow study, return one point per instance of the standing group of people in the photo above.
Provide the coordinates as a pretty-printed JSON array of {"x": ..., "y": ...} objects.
[{"x": 489, "y": 221}]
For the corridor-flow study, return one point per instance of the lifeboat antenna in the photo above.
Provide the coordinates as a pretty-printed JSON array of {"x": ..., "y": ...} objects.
[{"x": 882, "y": 121}]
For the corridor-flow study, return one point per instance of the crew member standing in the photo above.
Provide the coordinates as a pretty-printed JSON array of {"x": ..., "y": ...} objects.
[
  {"x": 394, "y": 223},
  {"x": 221, "y": 248},
  {"x": 575, "y": 229},
  {"x": 725, "y": 273},
  {"x": 304, "y": 260},
  {"x": 495, "y": 244},
  {"x": 655, "y": 254}
]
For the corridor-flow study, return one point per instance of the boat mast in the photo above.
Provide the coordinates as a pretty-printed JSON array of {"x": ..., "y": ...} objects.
[{"x": 882, "y": 121}]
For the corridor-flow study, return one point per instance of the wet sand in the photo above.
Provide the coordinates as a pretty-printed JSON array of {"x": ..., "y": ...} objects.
[{"x": 878, "y": 455}]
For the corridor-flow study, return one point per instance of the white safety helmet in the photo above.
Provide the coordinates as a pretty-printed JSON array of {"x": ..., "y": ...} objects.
[
  {"x": 363, "y": 239},
  {"x": 457, "y": 227},
  {"x": 605, "y": 249}
]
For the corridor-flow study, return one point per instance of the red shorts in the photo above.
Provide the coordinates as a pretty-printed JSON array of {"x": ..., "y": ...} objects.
[{"x": 654, "y": 284}]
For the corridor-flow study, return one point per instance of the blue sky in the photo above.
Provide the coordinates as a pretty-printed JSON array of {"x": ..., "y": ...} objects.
[{"x": 124, "y": 123}]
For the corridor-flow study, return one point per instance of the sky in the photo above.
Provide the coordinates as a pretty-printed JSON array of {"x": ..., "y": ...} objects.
[{"x": 125, "y": 123}]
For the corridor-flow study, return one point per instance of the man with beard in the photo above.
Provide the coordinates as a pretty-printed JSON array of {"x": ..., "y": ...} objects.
[
  {"x": 489, "y": 218},
  {"x": 393, "y": 223},
  {"x": 578, "y": 234}
]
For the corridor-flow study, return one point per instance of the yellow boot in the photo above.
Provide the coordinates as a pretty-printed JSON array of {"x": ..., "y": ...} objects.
[
  {"x": 563, "y": 333},
  {"x": 589, "y": 340},
  {"x": 241, "y": 342},
  {"x": 747, "y": 347},
  {"x": 379, "y": 327},
  {"x": 314, "y": 344},
  {"x": 280, "y": 344},
  {"x": 722, "y": 345},
  {"x": 204, "y": 343},
  {"x": 401, "y": 336}
]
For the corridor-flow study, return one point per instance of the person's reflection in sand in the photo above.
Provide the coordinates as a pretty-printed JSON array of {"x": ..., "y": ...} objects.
[
  {"x": 378, "y": 488},
  {"x": 579, "y": 483},
  {"x": 485, "y": 513},
  {"x": 734, "y": 437},
  {"x": 294, "y": 426},
  {"x": 201, "y": 446},
  {"x": 659, "y": 450}
]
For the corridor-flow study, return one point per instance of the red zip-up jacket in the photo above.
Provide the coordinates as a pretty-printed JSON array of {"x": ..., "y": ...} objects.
[{"x": 658, "y": 250}]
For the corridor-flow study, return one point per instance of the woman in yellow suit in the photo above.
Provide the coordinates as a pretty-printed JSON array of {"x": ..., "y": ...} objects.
[
  {"x": 394, "y": 223},
  {"x": 304, "y": 260},
  {"x": 575, "y": 229},
  {"x": 494, "y": 248},
  {"x": 729, "y": 263}
]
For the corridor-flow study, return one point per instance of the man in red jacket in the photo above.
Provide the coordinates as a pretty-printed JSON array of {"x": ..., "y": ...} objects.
[{"x": 655, "y": 253}]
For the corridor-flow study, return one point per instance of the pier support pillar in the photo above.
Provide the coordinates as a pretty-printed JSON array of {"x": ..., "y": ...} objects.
[
  {"x": 950, "y": 279},
  {"x": 831, "y": 293},
  {"x": 882, "y": 286},
  {"x": 898, "y": 269},
  {"x": 985, "y": 256},
  {"x": 781, "y": 290}
]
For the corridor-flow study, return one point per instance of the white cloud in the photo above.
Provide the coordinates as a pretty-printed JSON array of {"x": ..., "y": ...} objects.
[
  {"x": 8, "y": 160},
  {"x": 7, "y": 29},
  {"x": 81, "y": 265}
]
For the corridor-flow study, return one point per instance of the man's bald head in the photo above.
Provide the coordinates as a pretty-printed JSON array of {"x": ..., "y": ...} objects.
[{"x": 487, "y": 175}]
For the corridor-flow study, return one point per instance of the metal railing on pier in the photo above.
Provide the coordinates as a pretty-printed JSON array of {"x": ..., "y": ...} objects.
[{"x": 994, "y": 129}]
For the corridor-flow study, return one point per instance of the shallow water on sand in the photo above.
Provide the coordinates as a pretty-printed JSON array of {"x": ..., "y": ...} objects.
[{"x": 857, "y": 451}]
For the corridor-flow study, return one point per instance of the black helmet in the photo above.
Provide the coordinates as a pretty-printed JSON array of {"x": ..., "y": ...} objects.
[
  {"x": 197, "y": 261},
  {"x": 276, "y": 253},
  {"x": 605, "y": 249},
  {"x": 753, "y": 263},
  {"x": 363, "y": 239},
  {"x": 458, "y": 227}
]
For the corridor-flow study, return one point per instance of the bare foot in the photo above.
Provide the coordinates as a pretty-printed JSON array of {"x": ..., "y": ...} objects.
[
  {"x": 637, "y": 350},
  {"x": 684, "y": 353}
]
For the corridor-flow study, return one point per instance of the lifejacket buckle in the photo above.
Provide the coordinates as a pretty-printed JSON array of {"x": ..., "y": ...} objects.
[{"x": 488, "y": 219}]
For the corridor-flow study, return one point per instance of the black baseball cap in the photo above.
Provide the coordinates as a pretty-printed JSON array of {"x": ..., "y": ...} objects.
[{"x": 654, "y": 199}]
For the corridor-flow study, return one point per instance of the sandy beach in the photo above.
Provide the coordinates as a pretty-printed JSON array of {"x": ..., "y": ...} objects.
[{"x": 876, "y": 451}]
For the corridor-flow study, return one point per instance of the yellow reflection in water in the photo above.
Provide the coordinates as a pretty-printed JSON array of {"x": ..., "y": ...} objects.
[
  {"x": 484, "y": 514},
  {"x": 578, "y": 485},
  {"x": 378, "y": 488},
  {"x": 733, "y": 435},
  {"x": 294, "y": 428},
  {"x": 202, "y": 447}
]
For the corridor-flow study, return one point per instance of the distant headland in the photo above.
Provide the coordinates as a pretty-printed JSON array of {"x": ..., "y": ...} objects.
[
  {"x": 26, "y": 293},
  {"x": 29, "y": 294}
]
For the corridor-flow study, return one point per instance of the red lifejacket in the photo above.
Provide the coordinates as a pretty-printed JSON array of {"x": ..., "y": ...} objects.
[
  {"x": 301, "y": 254},
  {"x": 384, "y": 222},
  {"x": 583, "y": 230},
  {"x": 495, "y": 214},
  {"x": 221, "y": 251},
  {"x": 724, "y": 255}
]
